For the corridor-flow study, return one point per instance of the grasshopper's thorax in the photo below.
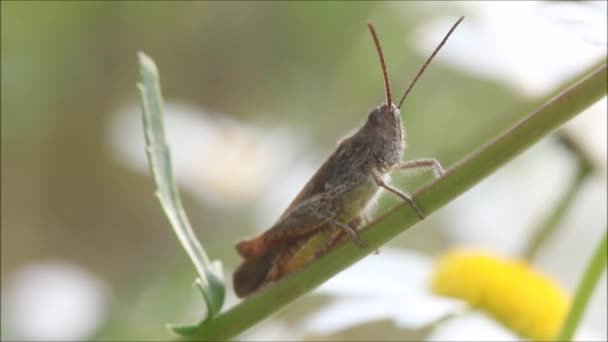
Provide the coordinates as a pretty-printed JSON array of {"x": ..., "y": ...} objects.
[{"x": 385, "y": 136}]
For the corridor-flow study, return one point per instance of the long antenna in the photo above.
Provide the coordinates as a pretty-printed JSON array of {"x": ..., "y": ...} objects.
[
  {"x": 428, "y": 61},
  {"x": 387, "y": 86}
]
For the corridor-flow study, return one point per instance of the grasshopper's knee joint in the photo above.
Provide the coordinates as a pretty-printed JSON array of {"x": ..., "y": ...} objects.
[
  {"x": 417, "y": 209},
  {"x": 351, "y": 231},
  {"x": 438, "y": 168},
  {"x": 440, "y": 171},
  {"x": 355, "y": 236},
  {"x": 359, "y": 242}
]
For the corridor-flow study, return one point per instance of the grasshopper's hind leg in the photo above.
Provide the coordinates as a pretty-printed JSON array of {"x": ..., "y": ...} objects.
[
  {"x": 339, "y": 235},
  {"x": 348, "y": 228}
]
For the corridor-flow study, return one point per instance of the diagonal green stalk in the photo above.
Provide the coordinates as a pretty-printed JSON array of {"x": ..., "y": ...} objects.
[
  {"x": 595, "y": 268},
  {"x": 456, "y": 181},
  {"x": 210, "y": 278},
  {"x": 584, "y": 168}
]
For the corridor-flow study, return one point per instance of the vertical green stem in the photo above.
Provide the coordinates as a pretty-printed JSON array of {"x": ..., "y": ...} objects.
[{"x": 592, "y": 274}]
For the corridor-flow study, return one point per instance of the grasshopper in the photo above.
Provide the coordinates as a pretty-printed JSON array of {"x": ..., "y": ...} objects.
[{"x": 332, "y": 205}]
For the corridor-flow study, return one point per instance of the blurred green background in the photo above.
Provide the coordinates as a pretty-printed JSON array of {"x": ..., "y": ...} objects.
[{"x": 68, "y": 68}]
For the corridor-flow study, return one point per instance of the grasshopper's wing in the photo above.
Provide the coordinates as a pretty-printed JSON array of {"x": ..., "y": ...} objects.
[
  {"x": 301, "y": 216},
  {"x": 300, "y": 221},
  {"x": 316, "y": 185},
  {"x": 309, "y": 216}
]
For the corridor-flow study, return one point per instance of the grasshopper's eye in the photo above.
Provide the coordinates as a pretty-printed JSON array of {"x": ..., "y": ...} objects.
[
  {"x": 379, "y": 113},
  {"x": 374, "y": 116}
]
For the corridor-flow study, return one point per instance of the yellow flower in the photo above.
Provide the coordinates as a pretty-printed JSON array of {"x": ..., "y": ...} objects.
[{"x": 519, "y": 297}]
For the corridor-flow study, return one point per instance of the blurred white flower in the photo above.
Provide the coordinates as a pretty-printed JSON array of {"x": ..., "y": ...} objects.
[
  {"x": 221, "y": 161},
  {"x": 391, "y": 285},
  {"x": 516, "y": 42},
  {"x": 535, "y": 47},
  {"x": 53, "y": 301},
  {"x": 477, "y": 326},
  {"x": 472, "y": 326},
  {"x": 395, "y": 285},
  {"x": 501, "y": 212},
  {"x": 587, "y": 19}
]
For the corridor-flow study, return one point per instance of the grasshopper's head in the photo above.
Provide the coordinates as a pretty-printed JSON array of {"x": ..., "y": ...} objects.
[
  {"x": 385, "y": 135},
  {"x": 383, "y": 131},
  {"x": 383, "y": 118}
]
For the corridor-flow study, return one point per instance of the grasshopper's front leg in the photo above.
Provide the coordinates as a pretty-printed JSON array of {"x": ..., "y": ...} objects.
[
  {"x": 339, "y": 236},
  {"x": 381, "y": 183},
  {"x": 421, "y": 164},
  {"x": 409, "y": 165}
]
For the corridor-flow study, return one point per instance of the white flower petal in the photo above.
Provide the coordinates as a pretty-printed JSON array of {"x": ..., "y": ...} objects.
[
  {"x": 473, "y": 326},
  {"x": 388, "y": 274},
  {"x": 414, "y": 310},
  {"x": 585, "y": 334},
  {"x": 346, "y": 313},
  {"x": 587, "y": 19},
  {"x": 392, "y": 285},
  {"x": 419, "y": 310}
]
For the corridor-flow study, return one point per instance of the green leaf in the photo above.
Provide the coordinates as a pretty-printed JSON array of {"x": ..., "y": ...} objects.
[{"x": 210, "y": 279}]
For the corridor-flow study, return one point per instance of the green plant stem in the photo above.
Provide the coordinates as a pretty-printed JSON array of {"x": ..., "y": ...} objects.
[
  {"x": 548, "y": 226},
  {"x": 590, "y": 278},
  {"x": 456, "y": 181},
  {"x": 585, "y": 166}
]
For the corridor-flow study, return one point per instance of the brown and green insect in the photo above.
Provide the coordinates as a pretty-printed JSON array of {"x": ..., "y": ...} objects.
[{"x": 333, "y": 202}]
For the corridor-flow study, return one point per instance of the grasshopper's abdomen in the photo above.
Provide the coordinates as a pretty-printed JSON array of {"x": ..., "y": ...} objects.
[{"x": 257, "y": 272}]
